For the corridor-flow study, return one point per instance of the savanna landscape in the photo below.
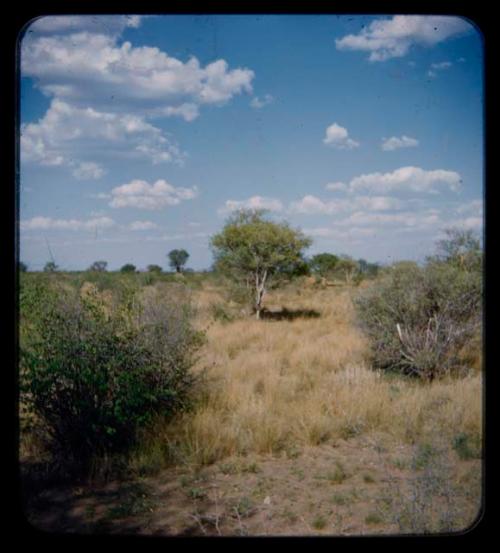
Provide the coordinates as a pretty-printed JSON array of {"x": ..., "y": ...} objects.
[
  {"x": 283, "y": 424},
  {"x": 250, "y": 255}
]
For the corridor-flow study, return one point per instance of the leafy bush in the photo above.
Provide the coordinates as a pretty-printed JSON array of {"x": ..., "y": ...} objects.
[
  {"x": 128, "y": 268},
  {"x": 96, "y": 369},
  {"x": 420, "y": 320}
]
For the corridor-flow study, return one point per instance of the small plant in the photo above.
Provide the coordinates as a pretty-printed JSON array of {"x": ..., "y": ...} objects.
[
  {"x": 465, "y": 447},
  {"x": 340, "y": 499},
  {"x": 338, "y": 475},
  {"x": 221, "y": 313},
  {"x": 244, "y": 507},
  {"x": 423, "y": 456},
  {"x": 368, "y": 479},
  {"x": 196, "y": 493},
  {"x": 373, "y": 518},
  {"x": 319, "y": 523}
]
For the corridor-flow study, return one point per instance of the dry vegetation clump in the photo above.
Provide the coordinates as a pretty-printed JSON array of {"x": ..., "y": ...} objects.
[
  {"x": 286, "y": 382},
  {"x": 96, "y": 366}
]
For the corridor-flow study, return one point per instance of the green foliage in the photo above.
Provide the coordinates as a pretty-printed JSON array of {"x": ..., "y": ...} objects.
[
  {"x": 128, "y": 268},
  {"x": 461, "y": 248},
  {"x": 420, "y": 319},
  {"x": 178, "y": 259},
  {"x": 96, "y": 371},
  {"x": 154, "y": 269},
  {"x": 252, "y": 251},
  {"x": 346, "y": 268},
  {"x": 22, "y": 267},
  {"x": 467, "y": 446},
  {"x": 324, "y": 264}
]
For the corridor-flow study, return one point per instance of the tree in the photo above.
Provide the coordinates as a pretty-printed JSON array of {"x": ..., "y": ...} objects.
[
  {"x": 324, "y": 263},
  {"x": 253, "y": 250},
  {"x": 98, "y": 266},
  {"x": 128, "y": 268},
  {"x": 154, "y": 269},
  {"x": 22, "y": 267},
  {"x": 50, "y": 267},
  {"x": 347, "y": 267},
  {"x": 461, "y": 248},
  {"x": 178, "y": 259}
]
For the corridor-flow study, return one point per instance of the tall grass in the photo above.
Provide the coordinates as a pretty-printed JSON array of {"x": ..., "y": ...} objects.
[{"x": 275, "y": 385}]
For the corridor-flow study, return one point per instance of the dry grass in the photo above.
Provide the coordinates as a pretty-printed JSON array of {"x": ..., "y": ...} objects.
[{"x": 275, "y": 385}]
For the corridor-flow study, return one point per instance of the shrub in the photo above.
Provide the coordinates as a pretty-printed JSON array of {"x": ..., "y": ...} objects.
[
  {"x": 128, "y": 268},
  {"x": 420, "y": 319},
  {"x": 94, "y": 371}
]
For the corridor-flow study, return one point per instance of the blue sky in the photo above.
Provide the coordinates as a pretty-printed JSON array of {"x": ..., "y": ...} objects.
[{"x": 142, "y": 134}]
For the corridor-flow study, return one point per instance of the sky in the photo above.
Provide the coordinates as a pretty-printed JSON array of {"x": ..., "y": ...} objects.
[{"x": 143, "y": 134}]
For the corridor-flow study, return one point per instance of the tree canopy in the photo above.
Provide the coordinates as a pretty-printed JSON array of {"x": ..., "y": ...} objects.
[
  {"x": 324, "y": 263},
  {"x": 128, "y": 268},
  {"x": 252, "y": 249},
  {"x": 178, "y": 259}
]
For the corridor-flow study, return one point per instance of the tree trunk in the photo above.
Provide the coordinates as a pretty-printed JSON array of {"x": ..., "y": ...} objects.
[{"x": 259, "y": 292}]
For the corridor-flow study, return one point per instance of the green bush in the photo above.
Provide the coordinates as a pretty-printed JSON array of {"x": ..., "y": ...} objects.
[
  {"x": 420, "y": 319},
  {"x": 95, "y": 371}
]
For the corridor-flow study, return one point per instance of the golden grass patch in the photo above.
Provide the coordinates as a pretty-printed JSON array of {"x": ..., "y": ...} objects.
[{"x": 277, "y": 384}]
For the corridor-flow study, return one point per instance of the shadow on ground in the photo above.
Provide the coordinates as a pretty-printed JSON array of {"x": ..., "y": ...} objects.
[{"x": 289, "y": 314}]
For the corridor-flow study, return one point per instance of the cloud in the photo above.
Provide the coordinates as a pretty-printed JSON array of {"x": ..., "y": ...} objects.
[
  {"x": 441, "y": 65},
  {"x": 393, "y": 38},
  {"x": 311, "y": 205},
  {"x": 88, "y": 171},
  {"x": 407, "y": 178},
  {"x": 105, "y": 93},
  {"x": 339, "y": 234},
  {"x": 46, "y": 223},
  {"x": 475, "y": 207},
  {"x": 108, "y": 24},
  {"x": 394, "y": 143},
  {"x": 65, "y": 131},
  {"x": 255, "y": 202},
  {"x": 336, "y": 186},
  {"x": 438, "y": 67},
  {"x": 88, "y": 68},
  {"x": 338, "y": 137},
  {"x": 258, "y": 103},
  {"x": 143, "y": 225},
  {"x": 142, "y": 195}
]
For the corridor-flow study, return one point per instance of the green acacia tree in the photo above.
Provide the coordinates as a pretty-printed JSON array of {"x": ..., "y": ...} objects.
[
  {"x": 128, "y": 268},
  {"x": 324, "y": 263},
  {"x": 253, "y": 250},
  {"x": 178, "y": 259}
]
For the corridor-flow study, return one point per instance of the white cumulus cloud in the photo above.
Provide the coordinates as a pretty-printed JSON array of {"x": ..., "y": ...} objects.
[
  {"x": 88, "y": 170},
  {"x": 143, "y": 225},
  {"x": 392, "y": 38},
  {"x": 338, "y": 137},
  {"x": 395, "y": 143},
  {"x": 255, "y": 202},
  {"x": 258, "y": 103},
  {"x": 408, "y": 178},
  {"x": 86, "y": 68},
  {"x": 336, "y": 186},
  {"x": 142, "y": 195},
  {"x": 66, "y": 131},
  {"x": 311, "y": 205}
]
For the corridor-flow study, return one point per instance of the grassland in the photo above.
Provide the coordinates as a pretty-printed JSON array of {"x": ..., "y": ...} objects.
[{"x": 292, "y": 433}]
